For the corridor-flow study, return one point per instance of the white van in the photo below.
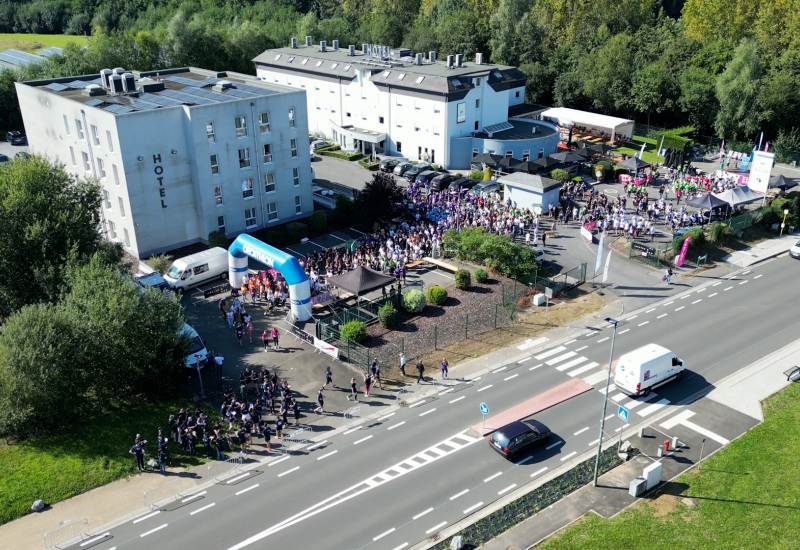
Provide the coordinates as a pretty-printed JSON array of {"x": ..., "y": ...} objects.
[
  {"x": 197, "y": 269},
  {"x": 197, "y": 350},
  {"x": 641, "y": 370}
]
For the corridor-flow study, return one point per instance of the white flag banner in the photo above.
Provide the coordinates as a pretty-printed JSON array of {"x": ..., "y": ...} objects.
[
  {"x": 605, "y": 269},
  {"x": 599, "y": 261}
]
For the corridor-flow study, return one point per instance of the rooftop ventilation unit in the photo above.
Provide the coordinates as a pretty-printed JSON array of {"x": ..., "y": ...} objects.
[
  {"x": 351, "y": 50},
  {"x": 105, "y": 75},
  {"x": 323, "y": 46},
  {"x": 222, "y": 85},
  {"x": 432, "y": 56},
  {"x": 335, "y": 44},
  {"x": 418, "y": 59},
  {"x": 129, "y": 82},
  {"x": 151, "y": 86},
  {"x": 479, "y": 59},
  {"x": 93, "y": 90},
  {"x": 449, "y": 61},
  {"x": 116, "y": 86},
  {"x": 308, "y": 41},
  {"x": 118, "y": 70},
  {"x": 365, "y": 49},
  {"x": 459, "y": 59},
  {"x": 294, "y": 42}
]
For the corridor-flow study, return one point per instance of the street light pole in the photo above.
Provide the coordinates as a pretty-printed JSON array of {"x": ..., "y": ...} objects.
[
  {"x": 605, "y": 400},
  {"x": 783, "y": 224}
]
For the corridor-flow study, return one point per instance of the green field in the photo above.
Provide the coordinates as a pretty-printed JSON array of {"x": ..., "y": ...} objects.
[
  {"x": 748, "y": 496},
  {"x": 55, "y": 468},
  {"x": 650, "y": 151},
  {"x": 34, "y": 42}
]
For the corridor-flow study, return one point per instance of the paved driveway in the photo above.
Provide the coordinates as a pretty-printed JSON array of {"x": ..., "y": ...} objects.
[{"x": 334, "y": 170}]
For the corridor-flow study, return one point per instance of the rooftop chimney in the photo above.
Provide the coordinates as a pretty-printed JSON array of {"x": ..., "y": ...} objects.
[
  {"x": 479, "y": 59},
  {"x": 323, "y": 46},
  {"x": 432, "y": 56},
  {"x": 294, "y": 42},
  {"x": 308, "y": 41},
  {"x": 459, "y": 59}
]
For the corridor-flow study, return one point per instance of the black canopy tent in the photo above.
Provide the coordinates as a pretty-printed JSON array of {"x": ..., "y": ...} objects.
[
  {"x": 360, "y": 280},
  {"x": 634, "y": 164},
  {"x": 780, "y": 182},
  {"x": 566, "y": 156},
  {"x": 706, "y": 201},
  {"x": 487, "y": 159}
]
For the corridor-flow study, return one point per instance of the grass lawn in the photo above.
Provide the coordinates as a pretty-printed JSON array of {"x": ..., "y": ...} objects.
[
  {"x": 748, "y": 495},
  {"x": 650, "y": 150},
  {"x": 57, "y": 467},
  {"x": 34, "y": 42}
]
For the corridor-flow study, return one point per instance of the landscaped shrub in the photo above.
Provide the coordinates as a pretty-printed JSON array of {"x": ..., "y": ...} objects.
[
  {"x": 318, "y": 221},
  {"x": 476, "y": 175},
  {"x": 354, "y": 331},
  {"x": 387, "y": 315},
  {"x": 217, "y": 238},
  {"x": 463, "y": 279},
  {"x": 339, "y": 155},
  {"x": 605, "y": 169},
  {"x": 437, "y": 295},
  {"x": 481, "y": 275},
  {"x": 369, "y": 164},
  {"x": 698, "y": 239},
  {"x": 414, "y": 301},
  {"x": 619, "y": 170},
  {"x": 296, "y": 231},
  {"x": 275, "y": 238},
  {"x": 717, "y": 232},
  {"x": 162, "y": 262},
  {"x": 559, "y": 174}
]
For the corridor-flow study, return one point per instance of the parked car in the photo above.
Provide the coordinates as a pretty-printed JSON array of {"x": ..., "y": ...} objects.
[
  {"x": 16, "y": 138},
  {"x": 387, "y": 165},
  {"x": 462, "y": 185},
  {"x": 513, "y": 439},
  {"x": 3, "y": 159},
  {"x": 412, "y": 173},
  {"x": 22, "y": 155},
  {"x": 484, "y": 188},
  {"x": 425, "y": 177},
  {"x": 402, "y": 167},
  {"x": 440, "y": 182},
  {"x": 318, "y": 144},
  {"x": 540, "y": 254}
]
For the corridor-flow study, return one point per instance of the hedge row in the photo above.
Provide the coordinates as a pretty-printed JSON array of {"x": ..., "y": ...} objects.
[
  {"x": 368, "y": 164},
  {"x": 675, "y": 138},
  {"x": 338, "y": 155}
]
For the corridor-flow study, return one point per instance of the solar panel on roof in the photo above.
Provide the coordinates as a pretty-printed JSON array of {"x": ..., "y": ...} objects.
[
  {"x": 160, "y": 100},
  {"x": 78, "y": 84},
  {"x": 52, "y": 50},
  {"x": 187, "y": 98},
  {"x": 144, "y": 105},
  {"x": 207, "y": 94},
  {"x": 94, "y": 102},
  {"x": 56, "y": 87},
  {"x": 239, "y": 93},
  {"x": 254, "y": 89},
  {"x": 14, "y": 60},
  {"x": 186, "y": 81},
  {"x": 33, "y": 58},
  {"x": 119, "y": 109}
]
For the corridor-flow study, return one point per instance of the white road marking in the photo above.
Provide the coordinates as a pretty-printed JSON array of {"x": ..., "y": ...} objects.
[
  {"x": 491, "y": 477},
  {"x": 206, "y": 507},
  {"x": 525, "y": 460},
  {"x": 584, "y": 347},
  {"x": 287, "y": 457},
  {"x": 717, "y": 283},
  {"x": 381, "y": 419},
  {"x": 556, "y": 444},
  {"x": 619, "y": 397},
  {"x": 610, "y": 416},
  {"x": 583, "y": 369},
  {"x": 321, "y": 443},
  {"x": 537, "y": 472},
  {"x": 447, "y": 391},
  {"x": 458, "y": 399},
  {"x": 536, "y": 367},
  {"x": 595, "y": 442},
  {"x": 417, "y": 404},
  {"x": 712, "y": 295},
  {"x": 669, "y": 303},
  {"x": 384, "y": 534},
  {"x": 701, "y": 290},
  {"x": 351, "y": 431},
  {"x": 427, "y": 412},
  {"x": 327, "y": 455},
  {"x": 649, "y": 310},
  {"x": 677, "y": 419},
  {"x": 507, "y": 378},
  {"x": 570, "y": 364},
  {"x": 560, "y": 358},
  {"x": 603, "y": 340},
  {"x": 662, "y": 315},
  {"x": 551, "y": 352},
  {"x": 629, "y": 319},
  {"x": 624, "y": 331},
  {"x": 473, "y": 508},
  {"x": 684, "y": 297},
  {"x": 504, "y": 367},
  {"x": 570, "y": 455},
  {"x": 757, "y": 276},
  {"x": 568, "y": 342},
  {"x": 401, "y": 546},
  {"x": 428, "y": 511},
  {"x": 485, "y": 388},
  {"x": 462, "y": 493},
  {"x": 633, "y": 403},
  {"x": 596, "y": 377},
  {"x": 248, "y": 489},
  {"x": 621, "y": 428},
  {"x": 237, "y": 478},
  {"x": 151, "y": 531},
  {"x": 726, "y": 289},
  {"x": 362, "y": 440},
  {"x": 523, "y": 360},
  {"x": 194, "y": 496},
  {"x": 95, "y": 539},
  {"x": 148, "y": 516},
  {"x": 654, "y": 407},
  {"x": 743, "y": 282},
  {"x": 581, "y": 430},
  {"x": 643, "y": 324},
  {"x": 680, "y": 308},
  {"x": 435, "y": 527},
  {"x": 507, "y": 489},
  {"x": 476, "y": 378},
  {"x": 290, "y": 471},
  {"x": 696, "y": 301},
  {"x": 745, "y": 272},
  {"x": 396, "y": 425},
  {"x": 702, "y": 431}
]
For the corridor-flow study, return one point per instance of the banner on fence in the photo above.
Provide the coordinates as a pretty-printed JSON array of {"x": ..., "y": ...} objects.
[
  {"x": 684, "y": 249},
  {"x": 586, "y": 233},
  {"x": 320, "y": 298},
  {"x": 326, "y": 348},
  {"x": 303, "y": 335}
]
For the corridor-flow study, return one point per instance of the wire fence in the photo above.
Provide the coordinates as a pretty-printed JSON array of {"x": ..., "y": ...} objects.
[{"x": 59, "y": 538}]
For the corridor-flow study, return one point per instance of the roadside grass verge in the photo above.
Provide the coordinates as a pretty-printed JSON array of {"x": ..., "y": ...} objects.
[
  {"x": 34, "y": 42},
  {"x": 748, "y": 496},
  {"x": 57, "y": 467}
]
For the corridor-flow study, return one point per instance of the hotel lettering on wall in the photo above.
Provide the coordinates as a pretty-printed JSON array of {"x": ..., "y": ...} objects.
[{"x": 159, "y": 171}]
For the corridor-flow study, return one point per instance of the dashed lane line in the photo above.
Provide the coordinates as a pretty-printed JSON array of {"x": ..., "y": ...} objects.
[
  {"x": 388, "y": 532},
  {"x": 507, "y": 489},
  {"x": 473, "y": 508},
  {"x": 424, "y": 512},
  {"x": 435, "y": 527},
  {"x": 491, "y": 477},
  {"x": 151, "y": 531},
  {"x": 206, "y": 507},
  {"x": 327, "y": 455}
]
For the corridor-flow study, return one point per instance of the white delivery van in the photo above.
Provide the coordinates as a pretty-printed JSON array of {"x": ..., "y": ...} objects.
[
  {"x": 643, "y": 369},
  {"x": 197, "y": 349},
  {"x": 197, "y": 269}
]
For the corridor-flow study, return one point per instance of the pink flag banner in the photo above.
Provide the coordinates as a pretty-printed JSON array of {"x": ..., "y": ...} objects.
[{"x": 684, "y": 250}]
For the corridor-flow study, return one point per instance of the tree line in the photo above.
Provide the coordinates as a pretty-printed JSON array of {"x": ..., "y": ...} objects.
[{"x": 726, "y": 67}]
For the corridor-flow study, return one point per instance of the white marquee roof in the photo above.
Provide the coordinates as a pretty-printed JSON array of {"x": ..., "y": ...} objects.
[{"x": 567, "y": 117}]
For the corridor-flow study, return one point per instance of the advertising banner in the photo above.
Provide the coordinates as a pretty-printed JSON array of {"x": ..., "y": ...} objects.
[
  {"x": 684, "y": 249},
  {"x": 760, "y": 170},
  {"x": 303, "y": 335},
  {"x": 326, "y": 348},
  {"x": 599, "y": 260}
]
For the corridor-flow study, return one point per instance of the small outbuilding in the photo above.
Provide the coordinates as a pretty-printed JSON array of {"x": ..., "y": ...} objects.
[{"x": 530, "y": 191}]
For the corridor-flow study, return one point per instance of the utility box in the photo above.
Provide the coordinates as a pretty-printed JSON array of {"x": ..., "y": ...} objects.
[
  {"x": 652, "y": 474},
  {"x": 457, "y": 542},
  {"x": 637, "y": 486},
  {"x": 539, "y": 299}
]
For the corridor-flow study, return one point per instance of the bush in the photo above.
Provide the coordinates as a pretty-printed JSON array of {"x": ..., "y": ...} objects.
[
  {"x": 296, "y": 231},
  {"x": 318, "y": 222},
  {"x": 354, "y": 331},
  {"x": 481, "y": 275},
  {"x": 414, "y": 301},
  {"x": 387, "y": 315},
  {"x": 275, "y": 237},
  {"x": 718, "y": 232},
  {"x": 463, "y": 279},
  {"x": 698, "y": 240},
  {"x": 476, "y": 175},
  {"x": 368, "y": 164},
  {"x": 217, "y": 238},
  {"x": 559, "y": 175},
  {"x": 338, "y": 155},
  {"x": 437, "y": 295},
  {"x": 162, "y": 262},
  {"x": 605, "y": 169},
  {"x": 675, "y": 139}
]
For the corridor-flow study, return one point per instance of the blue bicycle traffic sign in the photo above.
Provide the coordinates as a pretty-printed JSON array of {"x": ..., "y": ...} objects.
[
  {"x": 484, "y": 408},
  {"x": 623, "y": 413}
]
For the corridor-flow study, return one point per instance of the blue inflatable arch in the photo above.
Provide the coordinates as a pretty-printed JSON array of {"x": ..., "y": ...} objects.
[{"x": 299, "y": 289}]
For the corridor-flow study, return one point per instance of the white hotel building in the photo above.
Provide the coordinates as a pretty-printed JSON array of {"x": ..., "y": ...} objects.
[
  {"x": 385, "y": 100},
  {"x": 179, "y": 153}
]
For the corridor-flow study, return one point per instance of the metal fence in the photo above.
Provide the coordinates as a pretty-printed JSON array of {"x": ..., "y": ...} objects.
[
  {"x": 59, "y": 538},
  {"x": 743, "y": 221},
  {"x": 220, "y": 469},
  {"x": 648, "y": 253},
  {"x": 562, "y": 282},
  {"x": 162, "y": 493}
]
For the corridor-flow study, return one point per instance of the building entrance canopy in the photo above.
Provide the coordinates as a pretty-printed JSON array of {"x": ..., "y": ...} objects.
[{"x": 351, "y": 138}]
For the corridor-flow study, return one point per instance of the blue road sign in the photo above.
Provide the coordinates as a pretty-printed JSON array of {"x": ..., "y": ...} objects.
[
  {"x": 484, "y": 408},
  {"x": 623, "y": 413}
]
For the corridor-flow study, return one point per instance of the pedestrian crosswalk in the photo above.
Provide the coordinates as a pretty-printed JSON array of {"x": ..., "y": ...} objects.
[{"x": 594, "y": 374}]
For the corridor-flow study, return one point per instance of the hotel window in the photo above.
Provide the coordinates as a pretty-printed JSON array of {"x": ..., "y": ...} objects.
[
  {"x": 221, "y": 223},
  {"x": 477, "y": 125},
  {"x": 380, "y": 120},
  {"x": 218, "y": 195},
  {"x": 214, "y": 164},
  {"x": 112, "y": 229},
  {"x": 263, "y": 123},
  {"x": 477, "y": 103},
  {"x": 247, "y": 188},
  {"x": 509, "y": 154},
  {"x": 244, "y": 158},
  {"x": 293, "y": 145},
  {"x": 79, "y": 128},
  {"x": 72, "y": 154},
  {"x": 296, "y": 176},
  {"x": 526, "y": 154},
  {"x": 116, "y": 173},
  {"x": 86, "y": 166},
  {"x": 110, "y": 141},
  {"x": 474, "y": 151},
  {"x": 250, "y": 217},
  {"x": 517, "y": 94},
  {"x": 541, "y": 153},
  {"x": 267, "y": 157},
  {"x": 95, "y": 136},
  {"x": 210, "y": 132},
  {"x": 399, "y": 147},
  {"x": 269, "y": 183},
  {"x": 127, "y": 237},
  {"x": 291, "y": 118},
  {"x": 101, "y": 168},
  {"x": 66, "y": 124},
  {"x": 106, "y": 199},
  {"x": 298, "y": 206},
  {"x": 241, "y": 126},
  {"x": 272, "y": 211},
  {"x": 121, "y": 206}
]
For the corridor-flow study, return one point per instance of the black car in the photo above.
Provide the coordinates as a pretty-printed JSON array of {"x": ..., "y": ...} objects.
[
  {"x": 16, "y": 138},
  {"x": 3, "y": 159},
  {"x": 440, "y": 182},
  {"x": 513, "y": 439},
  {"x": 462, "y": 185},
  {"x": 387, "y": 165},
  {"x": 425, "y": 177},
  {"x": 412, "y": 173}
]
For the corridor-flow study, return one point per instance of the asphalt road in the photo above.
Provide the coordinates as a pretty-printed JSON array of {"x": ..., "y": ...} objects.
[{"x": 401, "y": 479}]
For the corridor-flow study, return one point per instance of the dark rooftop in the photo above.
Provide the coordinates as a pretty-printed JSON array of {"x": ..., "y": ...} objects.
[{"x": 520, "y": 130}]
